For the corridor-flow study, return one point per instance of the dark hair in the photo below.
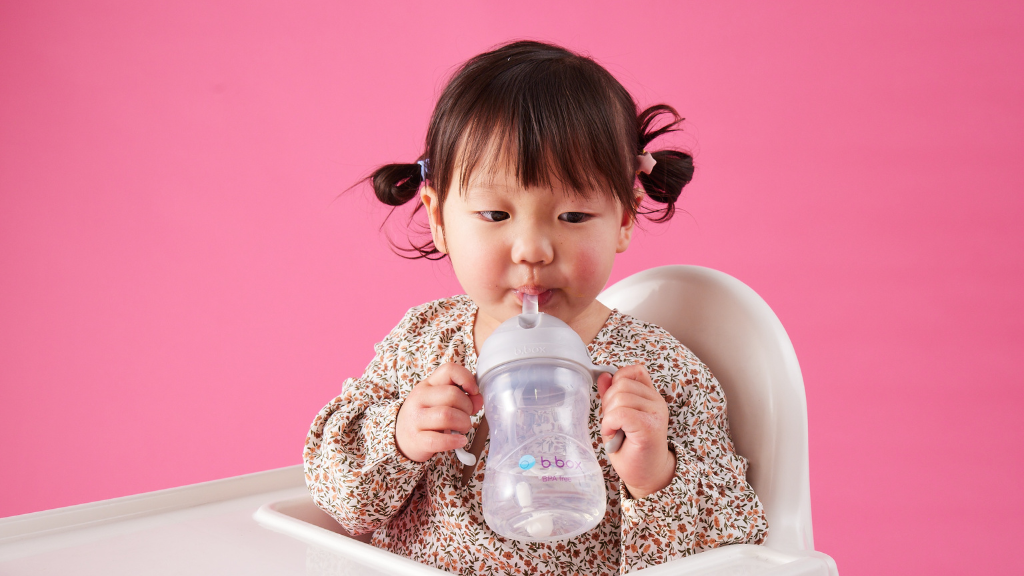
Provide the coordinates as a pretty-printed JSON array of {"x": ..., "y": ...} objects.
[{"x": 545, "y": 111}]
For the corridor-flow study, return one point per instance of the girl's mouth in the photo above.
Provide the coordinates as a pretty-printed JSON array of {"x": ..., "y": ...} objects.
[{"x": 543, "y": 296}]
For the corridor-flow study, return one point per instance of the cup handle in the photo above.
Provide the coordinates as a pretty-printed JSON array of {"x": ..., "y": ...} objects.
[
  {"x": 465, "y": 457},
  {"x": 612, "y": 446}
]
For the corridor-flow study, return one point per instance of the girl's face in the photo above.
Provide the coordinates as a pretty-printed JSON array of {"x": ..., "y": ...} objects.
[{"x": 505, "y": 241}]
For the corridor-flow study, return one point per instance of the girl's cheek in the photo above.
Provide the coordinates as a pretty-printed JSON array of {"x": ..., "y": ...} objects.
[
  {"x": 481, "y": 264},
  {"x": 583, "y": 264},
  {"x": 588, "y": 271}
]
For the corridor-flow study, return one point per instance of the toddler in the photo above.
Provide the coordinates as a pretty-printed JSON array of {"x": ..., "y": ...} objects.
[{"x": 530, "y": 181}]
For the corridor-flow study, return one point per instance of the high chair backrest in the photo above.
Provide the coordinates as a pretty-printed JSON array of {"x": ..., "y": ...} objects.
[{"x": 732, "y": 330}]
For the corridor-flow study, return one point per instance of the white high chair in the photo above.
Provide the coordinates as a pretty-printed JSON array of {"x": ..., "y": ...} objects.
[
  {"x": 207, "y": 528},
  {"x": 734, "y": 331}
]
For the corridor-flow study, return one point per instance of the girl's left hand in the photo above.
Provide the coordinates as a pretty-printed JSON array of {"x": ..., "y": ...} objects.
[{"x": 631, "y": 403}]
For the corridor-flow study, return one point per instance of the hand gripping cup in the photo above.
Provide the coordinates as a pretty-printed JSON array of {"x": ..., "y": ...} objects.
[{"x": 542, "y": 480}]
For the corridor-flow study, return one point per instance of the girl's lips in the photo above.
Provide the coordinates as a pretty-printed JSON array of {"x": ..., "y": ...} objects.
[{"x": 543, "y": 297}]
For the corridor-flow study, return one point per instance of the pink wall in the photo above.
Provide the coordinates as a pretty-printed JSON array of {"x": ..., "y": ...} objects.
[{"x": 180, "y": 291}]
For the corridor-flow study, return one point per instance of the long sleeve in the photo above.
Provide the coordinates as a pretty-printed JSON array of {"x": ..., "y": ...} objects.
[
  {"x": 353, "y": 468},
  {"x": 709, "y": 502}
]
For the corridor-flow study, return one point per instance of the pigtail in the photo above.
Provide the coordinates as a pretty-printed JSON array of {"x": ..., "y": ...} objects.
[
  {"x": 674, "y": 168},
  {"x": 396, "y": 184}
]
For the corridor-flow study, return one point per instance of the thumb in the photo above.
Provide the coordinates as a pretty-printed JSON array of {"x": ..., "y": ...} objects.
[
  {"x": 604, "y": 382},
  {"x": 478, "y": 402}
]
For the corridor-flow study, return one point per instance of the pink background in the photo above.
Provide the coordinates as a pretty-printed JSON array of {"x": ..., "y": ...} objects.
[{"x": 181, "y": 289}]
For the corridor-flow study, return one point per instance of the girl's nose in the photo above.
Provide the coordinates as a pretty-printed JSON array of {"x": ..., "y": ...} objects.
[{"x": 532, "y": 248}]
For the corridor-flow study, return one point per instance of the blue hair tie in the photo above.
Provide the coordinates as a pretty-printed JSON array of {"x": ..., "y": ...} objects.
[{"x": 423, "y": 168}]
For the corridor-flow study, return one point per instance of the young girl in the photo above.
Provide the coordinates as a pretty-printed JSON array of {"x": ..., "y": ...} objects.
[{"x": 529, "y": 182}]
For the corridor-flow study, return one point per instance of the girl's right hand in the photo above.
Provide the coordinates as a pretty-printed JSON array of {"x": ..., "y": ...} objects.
[{"x": 442, "y": 402}]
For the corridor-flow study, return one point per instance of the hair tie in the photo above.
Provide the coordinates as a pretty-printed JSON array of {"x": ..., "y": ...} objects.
[
  {"x": 423, "y": 168},
  {"x": 646, "y": 163}
]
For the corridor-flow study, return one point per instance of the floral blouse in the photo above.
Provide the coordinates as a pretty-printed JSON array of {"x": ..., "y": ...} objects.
[{"x": 355, "y": 472}]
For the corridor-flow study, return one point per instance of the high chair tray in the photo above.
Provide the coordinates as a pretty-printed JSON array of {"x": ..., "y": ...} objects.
[
  {"x": 299, "y": 517},
  {"x": 209, "y": 528}
]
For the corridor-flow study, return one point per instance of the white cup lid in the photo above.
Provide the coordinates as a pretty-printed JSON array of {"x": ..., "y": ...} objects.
[{"x": 534, "y": 336}]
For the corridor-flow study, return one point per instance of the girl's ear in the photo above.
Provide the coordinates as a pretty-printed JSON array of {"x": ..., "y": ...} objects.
[
  {"x": 625, "y": 232},
  {"x": 429, "y": 198}
]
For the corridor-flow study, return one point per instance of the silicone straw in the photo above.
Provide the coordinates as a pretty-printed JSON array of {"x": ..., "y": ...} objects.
[{"x": 530, "y": 305}]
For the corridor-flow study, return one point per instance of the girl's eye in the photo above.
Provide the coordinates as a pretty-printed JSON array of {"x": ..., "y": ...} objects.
[
  {"x": 574, "y": 217},
  {"x": 494, "y": 215}
]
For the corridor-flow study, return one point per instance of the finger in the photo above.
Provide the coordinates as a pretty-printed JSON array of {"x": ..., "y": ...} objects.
[
  {"x": 636, "y": 372},
  {"x": 636, "y": 424},
  {"x": 451, "y": 373},
  {"x": 433, "y": 396},
  {"x": 478, "y": 402},
  {"x": 627, "y": 386},
  {"x": 613, "y": 444},
  {"x": 466, "y": 380},
  {"x": 625, "y": 398},
  {"x": 442, "y": 418},
  {"x": 608, "y": 433},
  {"x": 604, "y": 382},
  {"x": 435, "y": 442}
]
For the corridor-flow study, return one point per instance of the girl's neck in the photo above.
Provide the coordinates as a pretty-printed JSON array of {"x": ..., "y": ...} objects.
[{"x": 587, "y": 325}]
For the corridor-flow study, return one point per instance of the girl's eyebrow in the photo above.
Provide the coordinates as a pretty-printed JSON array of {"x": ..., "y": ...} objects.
[
  {"x": 475, "y": 192},
  {"x": 481, "y": 189}
]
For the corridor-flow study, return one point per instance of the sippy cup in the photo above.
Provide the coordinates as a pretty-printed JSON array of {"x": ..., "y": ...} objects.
[{"x": 542, "y": 480}]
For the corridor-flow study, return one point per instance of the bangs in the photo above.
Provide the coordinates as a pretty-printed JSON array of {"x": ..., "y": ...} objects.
[
  {"x": 549, "y": 118},
  {"x": 540, "y": 120},
  {"x": 541, "y": 160}
]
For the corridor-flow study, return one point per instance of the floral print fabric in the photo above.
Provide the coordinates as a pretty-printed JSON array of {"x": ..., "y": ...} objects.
[{"x": 355, "y": 472}]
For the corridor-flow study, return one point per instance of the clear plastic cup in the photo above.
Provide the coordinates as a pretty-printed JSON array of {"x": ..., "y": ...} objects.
[{"x": 542, "y": 480}]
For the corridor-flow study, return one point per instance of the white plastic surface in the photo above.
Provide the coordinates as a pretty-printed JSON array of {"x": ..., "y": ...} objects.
[
  {"x": 732, "y": 330},
  {"x": 199, "y": 530},
  {"x": 209, "y": 529},
  {"x": 300, "y": 518},
  {"x": 533, "y": 336}
]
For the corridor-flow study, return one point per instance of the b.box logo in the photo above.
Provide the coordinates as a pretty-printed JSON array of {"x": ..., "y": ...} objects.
[
  {"x": 530, "y": 350},
  {"x": 527, "y": 462},
  {"x": 559, "y": 463}
]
